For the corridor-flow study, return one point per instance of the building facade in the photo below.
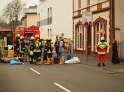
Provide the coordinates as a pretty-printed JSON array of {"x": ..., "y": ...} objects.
[
  {"x": 119, "y": 25},
  {"x": 30, "y": 16},
  {"x": 87, "y": 33},
  {"x": 55, "y": 18}
]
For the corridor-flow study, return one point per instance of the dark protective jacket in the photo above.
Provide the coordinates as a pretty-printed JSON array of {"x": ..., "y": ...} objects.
[
  {"x": 17, "y": 42},
  {"x": 22, "y": 46}
]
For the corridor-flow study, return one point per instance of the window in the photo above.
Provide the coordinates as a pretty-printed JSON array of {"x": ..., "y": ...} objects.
[
  {"x": 99, "y": 31},
  {"x": 88, "y": 2},
  {"x": 50, "y": 33},
  {"x": 39, "y": 20},
  {"x": 50, "y": 11},
  {"x": 48, "y": 16},
  {"x": 79, "y": 37},
  {"x": 79, "y": 4},
  {"x": 98, "y": 1}
]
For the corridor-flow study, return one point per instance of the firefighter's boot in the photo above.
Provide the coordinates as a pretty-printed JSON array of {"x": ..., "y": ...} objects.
[
  {"x": 48, "y": 61},
  {"x": 61, "y": 62}
]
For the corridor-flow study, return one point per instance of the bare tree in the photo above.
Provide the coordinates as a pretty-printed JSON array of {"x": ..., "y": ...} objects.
[
  {"x": 3, "y": 23},
  {"x": 12, "y": 12}
]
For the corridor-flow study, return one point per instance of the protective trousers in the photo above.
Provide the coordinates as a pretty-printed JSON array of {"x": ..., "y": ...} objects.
[{"x": 37, "y": 57}]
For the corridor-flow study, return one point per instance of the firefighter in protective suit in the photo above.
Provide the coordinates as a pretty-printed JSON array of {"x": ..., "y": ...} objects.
[
  {"x": 37, "y": 50},
  {"x": 57, "y": 47},
  {"x": 31, "y": 48},
  {"x": 62, "y": 51},
  {"x": 102, "y": 47},
  {"x": 21, "y": 48},
  {"x": 48, "y": 48},
  {"x": 17, "y": 43},
  {"x": 45, "y": 50}
]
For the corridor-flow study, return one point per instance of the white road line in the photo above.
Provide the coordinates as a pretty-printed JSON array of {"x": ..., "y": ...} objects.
[
  {"x": 62, "y": 87},
  {"x": 35, "y": 71}
]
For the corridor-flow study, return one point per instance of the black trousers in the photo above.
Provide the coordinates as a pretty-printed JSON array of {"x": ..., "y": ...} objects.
[
  {"x": 57, "y": 51},
  {"x": 37, "y": 55}
]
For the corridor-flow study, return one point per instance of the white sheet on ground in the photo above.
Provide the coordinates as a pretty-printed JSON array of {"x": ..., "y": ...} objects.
[{"x": 73, "y": 60}]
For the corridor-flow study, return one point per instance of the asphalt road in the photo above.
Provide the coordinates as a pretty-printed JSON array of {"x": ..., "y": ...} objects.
[{"x": 58, "y": 78}]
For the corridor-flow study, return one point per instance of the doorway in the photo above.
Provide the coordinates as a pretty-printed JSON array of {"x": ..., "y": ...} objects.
[{"x": 89, "y": 40}]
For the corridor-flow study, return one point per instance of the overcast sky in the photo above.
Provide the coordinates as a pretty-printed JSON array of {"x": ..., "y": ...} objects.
[{"x": 3, "y": 3}]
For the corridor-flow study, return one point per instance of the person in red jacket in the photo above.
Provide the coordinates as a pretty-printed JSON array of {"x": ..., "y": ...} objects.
[{"x": 102, "y": 47}]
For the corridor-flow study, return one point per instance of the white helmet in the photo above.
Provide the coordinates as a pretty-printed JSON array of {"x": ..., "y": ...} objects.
[
  {"x": 18, "y": 35},
  {"x": 32, "y": 37},
  {"x": 31, "y": 53},
  {"x": 21, "y": 37},
  {"x": 37, "y": 35},
  {"x": 102, "y": 38}
]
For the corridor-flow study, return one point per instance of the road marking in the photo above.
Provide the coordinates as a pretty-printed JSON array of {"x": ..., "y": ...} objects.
[
  {"x": 35, "y": 71},
  {"x": 67, "y": 90}
]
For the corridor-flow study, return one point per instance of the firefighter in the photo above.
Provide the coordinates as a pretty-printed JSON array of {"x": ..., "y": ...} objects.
[
  {"x": 66, "y": 44},
  {"x": 57, "y": 46},
  {"x": 31, "y": 48},
  {"x": 49, "y": 51},
  {"x": 17, "y": 43},
  {"x": 41, "y": 46},
  {"x": 45, "y": 50},
  {"x": 62, "y": 51},
  {"x": 21, "y": 48},
  {"x": 102, "y": 47},
  {"x": 37, "y": 50}
]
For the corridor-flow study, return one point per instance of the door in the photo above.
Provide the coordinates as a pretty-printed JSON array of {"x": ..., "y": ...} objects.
[{"x": 89, "y": 40}]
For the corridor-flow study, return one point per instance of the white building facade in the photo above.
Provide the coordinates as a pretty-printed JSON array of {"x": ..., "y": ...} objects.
[{"x": 55, "y": 18}]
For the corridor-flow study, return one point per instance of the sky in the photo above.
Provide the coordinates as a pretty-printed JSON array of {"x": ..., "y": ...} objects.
[{"x": 3, "y": 3}]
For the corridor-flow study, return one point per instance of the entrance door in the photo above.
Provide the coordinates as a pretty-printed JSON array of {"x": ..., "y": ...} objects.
[{"x": 89, "y": 40}]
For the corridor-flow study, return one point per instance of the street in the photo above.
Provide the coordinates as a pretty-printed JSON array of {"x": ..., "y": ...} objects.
[{"x": 58, "y": 78}]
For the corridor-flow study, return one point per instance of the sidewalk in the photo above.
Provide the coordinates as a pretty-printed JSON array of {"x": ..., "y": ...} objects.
[{"x": 92, "y": 61}]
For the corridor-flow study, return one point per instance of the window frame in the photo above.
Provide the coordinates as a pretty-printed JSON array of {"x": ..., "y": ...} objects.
[
  {"x": 79, "y": 4},
  {"x": 79, "y": 37},
  {"x": 88, "y": 2}
]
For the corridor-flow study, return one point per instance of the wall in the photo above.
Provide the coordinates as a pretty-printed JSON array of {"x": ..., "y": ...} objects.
[
  {"x": 31, "y": 20},
  {"x": 104, "y": 13},
  {"x": 61, "y": 18},
  {"x": 119, "y": 23}
]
